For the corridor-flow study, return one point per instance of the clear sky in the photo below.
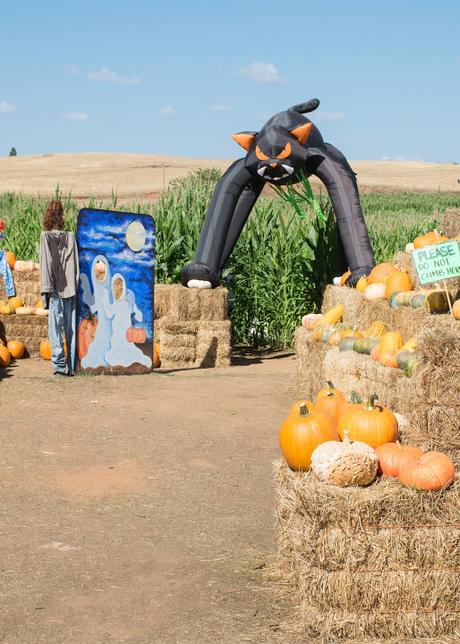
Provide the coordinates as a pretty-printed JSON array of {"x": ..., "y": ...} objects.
[{"x": 178, "y": 77}]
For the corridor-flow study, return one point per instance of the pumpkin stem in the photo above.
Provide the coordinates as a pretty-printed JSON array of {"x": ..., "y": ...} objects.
[
  {"x": 303, "y": 411},
  {"x": 330, "y": 385},
  {"x": 371, "y": 403},
  {"x": 355, "y": 397},
  {"x": 346, "y": 437}
]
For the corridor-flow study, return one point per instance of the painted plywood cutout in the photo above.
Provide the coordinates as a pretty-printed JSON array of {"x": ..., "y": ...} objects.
[{"x": 115, "y": 296}]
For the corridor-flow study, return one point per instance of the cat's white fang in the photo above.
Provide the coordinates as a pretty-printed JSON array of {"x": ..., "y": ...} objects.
[
  {"x": 261, "y": 171},
  {"x": 288, "y": 169}
]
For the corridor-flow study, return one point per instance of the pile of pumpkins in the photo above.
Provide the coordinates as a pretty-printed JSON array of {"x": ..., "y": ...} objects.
[
  {"x": 16, "y": 305},
  {"x": 13, "y": 350},
  {"x": 19, "y": 265},
  {"x": 385, "y": 346},
  {"x": 349, "y": 442},
  {"x": 387, "y": 281}
]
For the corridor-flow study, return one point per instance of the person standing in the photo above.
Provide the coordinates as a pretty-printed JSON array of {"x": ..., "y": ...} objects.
[{"x": 59, "y": 275}]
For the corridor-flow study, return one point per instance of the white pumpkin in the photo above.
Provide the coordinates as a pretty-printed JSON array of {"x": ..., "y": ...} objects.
[
  {"x": 23, "y": 267},
  {"x": 41, "y": 311},
  {"x": 409, "y": 247},
  {"x": 25, "y": 310},
  {"x": 309, "y": 320},
  {"x": 344, "y": 464},
  {"x": 375, "y": 292}
]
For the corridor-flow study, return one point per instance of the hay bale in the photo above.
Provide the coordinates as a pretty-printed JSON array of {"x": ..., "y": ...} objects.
[
  {"x": 309, "y": 354},
  {"x": 162, "y": 294},
  {"x": 367, "y": 563},
  {"x": 450, "y": 222},
  {"x": 195, "y": 344},
  {"x": 197, "y": 304},
  {"x": 27, "y": 286},
  {"x": 29, "y": 329},
  {"x": 213, "y": 345}
]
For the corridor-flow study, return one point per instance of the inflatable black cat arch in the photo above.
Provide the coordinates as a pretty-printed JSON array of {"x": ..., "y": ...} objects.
[{"x": 287, "y": 143}]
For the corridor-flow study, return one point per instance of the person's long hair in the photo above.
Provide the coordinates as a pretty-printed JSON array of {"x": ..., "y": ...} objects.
[{"x": 53, "y": 218}]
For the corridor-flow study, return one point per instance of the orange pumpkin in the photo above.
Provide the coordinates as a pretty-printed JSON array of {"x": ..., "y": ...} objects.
[
  {"x": 430, "y": 472},
  {"x": 15, "y": 303},
  {"x": 296, "y": 406},
  {"x": 375, "y": 353},
  {"x": 136, "y": 334},
  {"x": 11, "y": 258},
  {"x": 156, "y": 355},
  {"x": 16, "y": 348},
  {"x": 45, "y": 349},
  {"x": 5, "y": 357},
  {"x": 456, "y": 310},
  {"x": 388, "y": 358},
  {"x": 371, "y": 423},
  {"x": 301, "y": 433},
  {"x": 327, "y": 391},
  {"x": 432, "y": 237},
  {"x": 380, "y": 273},
  {"x": 85, "y": 335},
  {"x": 393, "y": 456},
  {"x": 331, "y": 405},
  {"x": 347, "y": 410},
  {"x": 398, "y": 281}
]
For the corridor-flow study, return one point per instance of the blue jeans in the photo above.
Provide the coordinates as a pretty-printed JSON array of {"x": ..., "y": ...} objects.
[{"x": 61, "y": 324}]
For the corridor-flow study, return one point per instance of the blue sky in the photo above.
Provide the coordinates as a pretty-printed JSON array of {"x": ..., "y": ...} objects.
[{"x": 178, "y": 78}]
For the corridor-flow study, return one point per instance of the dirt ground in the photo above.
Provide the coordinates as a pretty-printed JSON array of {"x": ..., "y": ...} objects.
[
  {"x": 140, "y": 509},
  {"x": 142, "y": 176}
]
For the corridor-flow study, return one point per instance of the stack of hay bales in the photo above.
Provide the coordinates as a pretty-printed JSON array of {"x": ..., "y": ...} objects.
[
  {"x": 194, "y": 330},
  {"x": 366, "y": 564},
  {"x": 191, "y": 325},
  {"x": 382, "y": 562}
]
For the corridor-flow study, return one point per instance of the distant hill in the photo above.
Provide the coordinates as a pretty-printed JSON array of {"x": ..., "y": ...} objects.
[{"x": 143, "y": 176}]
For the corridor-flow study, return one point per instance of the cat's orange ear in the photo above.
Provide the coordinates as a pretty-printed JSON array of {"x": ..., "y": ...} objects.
[
  {"x": 302, "y": 132},
  {"x": 245, "y": 139}
]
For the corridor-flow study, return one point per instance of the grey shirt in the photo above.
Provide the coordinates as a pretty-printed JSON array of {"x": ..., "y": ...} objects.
[{"x": 59, "y": 269}]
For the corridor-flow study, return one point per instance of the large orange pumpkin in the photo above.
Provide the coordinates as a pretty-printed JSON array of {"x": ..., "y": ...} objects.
[
  {"x": 11, "y": 257},
  {"x": 5, "y": 357},
  {"x": 430, "y": 472},
  {"x": 393, "y": 456},
  {"x": 85, "y": 335},
  {"x": 301, "y": 433},
  {"x": 380, "y": 273},
  {"x": 45, "y": 349},
  {"x": 347, "y": 410},
  {"x": 136, "y": 334},
  {"x": 456, "y": 310},
  {"x": 370, "y": 423},
  {"x": 156, "y": 355},
  {"x": 398, "y": 281},
  {"x": 16, "y": 348}
]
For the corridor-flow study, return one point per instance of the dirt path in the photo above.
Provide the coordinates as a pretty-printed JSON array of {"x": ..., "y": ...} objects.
[{"x": 140, "y": 509}]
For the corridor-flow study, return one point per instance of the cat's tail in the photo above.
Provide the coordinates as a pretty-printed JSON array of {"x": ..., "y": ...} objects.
[{"x": 303, "y": 108}]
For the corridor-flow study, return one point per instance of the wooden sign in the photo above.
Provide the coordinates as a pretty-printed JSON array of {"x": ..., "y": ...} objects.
[
  {"x": 437, "y": 262},
  {"x": 115, "y": 297}
]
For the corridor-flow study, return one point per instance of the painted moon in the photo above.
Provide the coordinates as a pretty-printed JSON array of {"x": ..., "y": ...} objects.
[{"x": 135, "y": 236}]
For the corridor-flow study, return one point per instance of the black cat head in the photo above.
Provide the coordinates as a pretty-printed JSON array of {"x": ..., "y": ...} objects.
[{"x": 275, "y": 154}]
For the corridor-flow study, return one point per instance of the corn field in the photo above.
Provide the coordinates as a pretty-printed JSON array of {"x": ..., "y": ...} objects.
[{"x": 286, "y": 254}]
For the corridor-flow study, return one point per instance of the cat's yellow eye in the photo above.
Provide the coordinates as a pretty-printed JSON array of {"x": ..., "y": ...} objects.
[
  {"x": 285, "y": 152},
  {"x": 260, "y": 155}
]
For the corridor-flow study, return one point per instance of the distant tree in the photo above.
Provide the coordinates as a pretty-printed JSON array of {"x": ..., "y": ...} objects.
[{"x": 13, "y": 152}]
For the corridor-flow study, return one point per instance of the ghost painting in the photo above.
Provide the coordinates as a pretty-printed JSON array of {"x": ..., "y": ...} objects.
[{"x": 115, "y": 297}]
